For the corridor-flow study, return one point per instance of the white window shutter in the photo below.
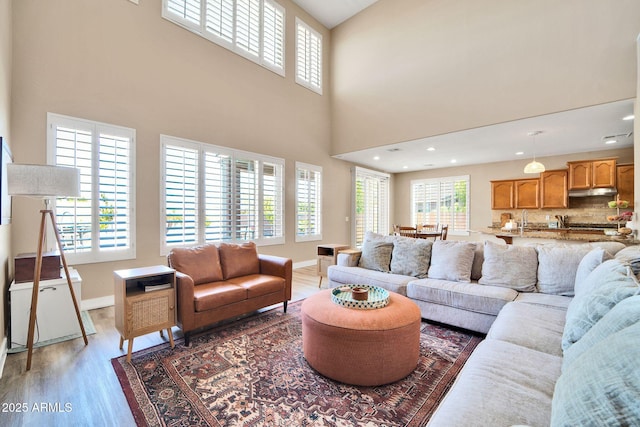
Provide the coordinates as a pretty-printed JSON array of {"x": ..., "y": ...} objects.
[
  {"x": 248, "y": 26},
  {"x": 273, "y": 35},
  {"x": 219, "y": 19},
  {"x": 181, "y": 195}
]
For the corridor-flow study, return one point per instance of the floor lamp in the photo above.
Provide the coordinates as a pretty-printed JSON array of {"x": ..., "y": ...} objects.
[{"x": 45, "y": 182}]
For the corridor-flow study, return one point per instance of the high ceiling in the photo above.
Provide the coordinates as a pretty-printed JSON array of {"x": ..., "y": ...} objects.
[
  {"x": 574, "y": 131},
  {"x": 332, "y": 12}
]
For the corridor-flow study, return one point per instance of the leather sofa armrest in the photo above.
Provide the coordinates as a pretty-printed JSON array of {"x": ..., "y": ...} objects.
[
  {"x": 349, "y": 259},
  {"x": 185, "y": 296},
  {"x": 278, "y": 266}
]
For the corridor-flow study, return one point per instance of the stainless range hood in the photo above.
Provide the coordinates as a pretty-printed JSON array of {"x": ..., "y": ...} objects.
[{"x": 593, "y": 192}]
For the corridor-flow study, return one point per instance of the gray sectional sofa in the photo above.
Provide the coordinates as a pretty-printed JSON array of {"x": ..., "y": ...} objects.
[{"x": 562, "y": 325}]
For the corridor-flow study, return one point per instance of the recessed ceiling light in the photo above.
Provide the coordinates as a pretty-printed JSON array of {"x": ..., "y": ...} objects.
[
  {"x": 629, "y": 117},
  {"x": 453, "y": 160},
  {"x": 431, "y": 149},
  {"x": 376, "y": 158},
  {"x": 519, "y": 153},
  {"x": 610, "y": 141},
  {"x": 405, "y": 167}
]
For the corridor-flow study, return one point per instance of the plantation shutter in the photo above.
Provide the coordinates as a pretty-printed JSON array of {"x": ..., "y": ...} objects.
[
  {"x": 217, "y": 197},
  {"x": 248, "y": 26},
  {"x": 308, "y": 57},
  {"x": 219, "y": 19},
  {"x": 74, "y": 148},
  {"x": 246, "y": 202},
  {"x": 442, "y": 201},
  {"x": 308, "y": 202},
  {"x": 273, "y": 35},
  {"x": 187, "y": 10},
  {"x": 272, "y": 203},
  {"x": 371, "y": 210},
  {"x": 181, "y": 194},
  {"x": 114, "y": 170}
]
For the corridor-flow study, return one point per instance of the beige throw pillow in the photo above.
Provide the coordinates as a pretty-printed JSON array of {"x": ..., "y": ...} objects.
[
  {"x": 452, "y": 260},
  {"x": 509, "y": 266}
]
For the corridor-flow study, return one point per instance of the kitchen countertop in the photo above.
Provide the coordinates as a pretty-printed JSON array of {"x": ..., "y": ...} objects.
[{"x": 570, "y": 234}]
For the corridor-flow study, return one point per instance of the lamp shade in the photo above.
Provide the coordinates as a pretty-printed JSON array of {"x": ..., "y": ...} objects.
[
  {"x": 534, "y": 167},
  {"x": 43, "y": 181}
]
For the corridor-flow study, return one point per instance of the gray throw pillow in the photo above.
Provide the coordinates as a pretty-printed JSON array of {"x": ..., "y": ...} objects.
[
  {"x": 589, "y": 263},
  {"x": 411, "y": 257},
  {"x": 376, "y": 255},
  {"x": 557, "y": 268},
  {"x": 611, "y": 282},
  {"x": 452, "y": 260},
  {"x": 630, "y": 255},
  {"x": 509, "y": 266},
  {"x": 602, "y": 386}
]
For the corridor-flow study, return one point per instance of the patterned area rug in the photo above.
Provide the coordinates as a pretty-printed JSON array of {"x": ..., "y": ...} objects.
[{"x": 252, "y": 372}]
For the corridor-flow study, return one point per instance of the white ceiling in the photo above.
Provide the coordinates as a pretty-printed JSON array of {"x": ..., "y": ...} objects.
[
  {"x": 333, "y": 12},
  {"x": 574, "y": 131}
]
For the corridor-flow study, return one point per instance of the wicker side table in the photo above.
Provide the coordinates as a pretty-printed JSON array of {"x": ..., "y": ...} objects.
[{"x": 145, "y": 302}]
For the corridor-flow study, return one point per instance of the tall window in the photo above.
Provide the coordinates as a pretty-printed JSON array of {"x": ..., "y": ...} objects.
[
  {"x": 370, "y": 203},
  {"x": 308, "y": 57},
  {"x": 254, "y": 29},
  {"x": 212, "y": 193},
  {"x": 308, "y": 202},
  {"x": 100, "y": 224},
  {"x": 444, "y": 201}
]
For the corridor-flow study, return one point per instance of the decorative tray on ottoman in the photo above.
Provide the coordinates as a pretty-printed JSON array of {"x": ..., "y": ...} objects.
[{"x": 376, "y": 298}]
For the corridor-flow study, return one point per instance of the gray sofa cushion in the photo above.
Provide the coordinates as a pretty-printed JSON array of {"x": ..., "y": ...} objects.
[
  {"x": 465, "y": 296},
  {"x": 501, "y": 384},
  {"x": 411, "y": 256},
  {"x": 609, "y": 393},
  {"x": 589, "y": 262},
  {"x": 452, "y": 260},
  {"x": 557, "y": 268},
  {"x": 509, "y": 266},
  {"x": 610, "y": 283},
  {"x": 546, "y": 300},
  {"x": 341, "y": 275},
  {"x": 530, "y": 325},
  {"x": 630, "y": 255}
]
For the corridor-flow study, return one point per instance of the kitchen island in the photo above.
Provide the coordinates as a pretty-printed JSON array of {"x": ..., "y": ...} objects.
[{"x": 564, "y": 234}]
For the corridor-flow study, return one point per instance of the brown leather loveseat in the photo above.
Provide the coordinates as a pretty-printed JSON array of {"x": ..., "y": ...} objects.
[{"x": 215, "y": 283}]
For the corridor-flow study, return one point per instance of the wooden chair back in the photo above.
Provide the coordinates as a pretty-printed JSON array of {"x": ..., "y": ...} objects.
[
  {"x": 405, "y": 231},
  {"x": 445, "y": 230}
]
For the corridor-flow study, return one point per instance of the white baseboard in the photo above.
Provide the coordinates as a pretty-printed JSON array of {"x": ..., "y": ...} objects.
[
  {"x": 3, "y": 354},
  {"x": 305, "y": 263},
  {"x": 93, "y": 303}
]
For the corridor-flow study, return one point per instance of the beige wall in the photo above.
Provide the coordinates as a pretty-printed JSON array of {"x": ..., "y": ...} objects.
[
  {"x": 480, "y": 186},
  {"x": 5, "y": 116},
  {"x": 121, "y": 63},
  {"x": 407, "y": 69}
]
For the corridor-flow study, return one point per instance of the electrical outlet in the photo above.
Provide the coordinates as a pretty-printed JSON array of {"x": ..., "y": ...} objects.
[
  {"x": 346, "y": 218},
  {"x": 548, "y": 218}
]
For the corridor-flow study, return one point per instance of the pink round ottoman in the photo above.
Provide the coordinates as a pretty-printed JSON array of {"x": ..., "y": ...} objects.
[{"x": 361, "y": 347}]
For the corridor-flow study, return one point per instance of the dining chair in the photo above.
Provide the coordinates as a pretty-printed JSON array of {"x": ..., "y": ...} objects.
[
  {"x": 445, "y": 230},
  {"x": 407, "y": 231}
]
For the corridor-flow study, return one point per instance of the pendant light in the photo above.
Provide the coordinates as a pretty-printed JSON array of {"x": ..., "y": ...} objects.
[{"x": 534, "y": 167}]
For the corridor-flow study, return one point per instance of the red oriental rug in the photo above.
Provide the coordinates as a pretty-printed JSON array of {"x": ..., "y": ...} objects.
[{"x": 252, "y": 372}]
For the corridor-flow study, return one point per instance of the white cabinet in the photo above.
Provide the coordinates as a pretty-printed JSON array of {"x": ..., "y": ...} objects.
[{"x": 56, "y": 316}]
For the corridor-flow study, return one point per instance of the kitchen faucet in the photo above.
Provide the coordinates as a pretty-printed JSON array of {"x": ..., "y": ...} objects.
[{"x": 524, "y": 221}]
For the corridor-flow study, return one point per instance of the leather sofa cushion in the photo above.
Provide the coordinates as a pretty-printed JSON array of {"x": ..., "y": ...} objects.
[
  {"x": 201, "y": 263},
  {"x": 259, "y": 284},
  {"x": 212, "y": 295},
  {"x": 239, "y": 260}
]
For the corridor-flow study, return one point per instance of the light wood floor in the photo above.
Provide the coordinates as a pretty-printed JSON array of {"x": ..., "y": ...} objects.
[{"x": 71, "y": 384}]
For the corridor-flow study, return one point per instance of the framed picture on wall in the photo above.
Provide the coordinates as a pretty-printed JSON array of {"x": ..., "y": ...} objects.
[{"x": 5, "y": 199}]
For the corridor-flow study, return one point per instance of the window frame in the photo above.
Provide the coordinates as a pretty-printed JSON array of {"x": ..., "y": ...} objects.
[
  {"x": 306, "y": 80},
  {"x": 317, "y": 202},
  {"x": 96, "y": 253},
  {"x": 200, "y": 29},
  {"x": 383, "y": 224},
  {"x": 235, "y": 155},
  {"x": 450, "y": 221}
]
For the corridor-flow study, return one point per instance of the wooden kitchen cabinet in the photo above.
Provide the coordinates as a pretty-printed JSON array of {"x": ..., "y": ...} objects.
[
  {"x": 553, "y": 189},
  {"x": 527, "y": 193},
  {"x": 502, "y": 194},
  {"x": 624, "y": 181},
  {"x": 587, "y": 174}
]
